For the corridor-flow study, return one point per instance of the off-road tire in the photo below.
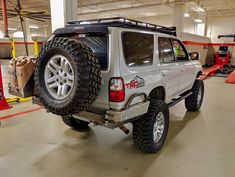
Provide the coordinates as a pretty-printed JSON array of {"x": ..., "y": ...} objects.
[
  {"x": 143, "y": 128},
  {"x": 75, "y": 123},
  {"x": 191, "y": 102},
  {"x": 86, "y": 70}
]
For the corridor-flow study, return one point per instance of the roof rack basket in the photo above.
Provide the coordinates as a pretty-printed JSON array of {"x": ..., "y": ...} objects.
[{"x": 125, "y": 22}]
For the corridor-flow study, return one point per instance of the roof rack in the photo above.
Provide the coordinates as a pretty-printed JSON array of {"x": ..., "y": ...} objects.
[{"x": 125, "y": 22}]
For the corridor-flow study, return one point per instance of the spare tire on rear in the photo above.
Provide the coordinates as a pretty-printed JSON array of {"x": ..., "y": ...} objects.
[{"x": 67, "y": 76}]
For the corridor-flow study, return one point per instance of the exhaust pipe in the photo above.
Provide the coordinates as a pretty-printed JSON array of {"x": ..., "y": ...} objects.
[{"x": 124, "y": 129}]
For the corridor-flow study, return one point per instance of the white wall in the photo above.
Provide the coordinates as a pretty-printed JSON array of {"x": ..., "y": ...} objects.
[
  {"x": 164, "y": 21},
  {"x": 189, "y": 25},
  {"x": 219, "y": 26}
]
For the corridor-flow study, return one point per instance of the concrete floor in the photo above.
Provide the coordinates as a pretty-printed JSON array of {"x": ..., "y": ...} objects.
[{"x": 199, "y": 144}]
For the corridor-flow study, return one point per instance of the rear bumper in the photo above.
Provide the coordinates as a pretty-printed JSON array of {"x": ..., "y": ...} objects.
[{"x": 113, "y": 119}]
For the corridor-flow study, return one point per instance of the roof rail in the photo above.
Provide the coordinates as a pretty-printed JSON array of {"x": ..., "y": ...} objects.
[{"x": 125, "y": 22}]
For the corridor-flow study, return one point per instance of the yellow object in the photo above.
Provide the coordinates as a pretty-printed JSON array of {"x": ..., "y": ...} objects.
[
  {"x": 18, "y": 99},
  {"x": 36, "y": 48},
  {"x": 13, "y": 48}
]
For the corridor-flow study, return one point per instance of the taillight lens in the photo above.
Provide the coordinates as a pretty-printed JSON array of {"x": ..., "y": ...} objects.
[{"x": 116, "y": 90}]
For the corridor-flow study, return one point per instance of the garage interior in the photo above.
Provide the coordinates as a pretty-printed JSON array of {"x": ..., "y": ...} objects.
[{"x": 37, "y": 143}]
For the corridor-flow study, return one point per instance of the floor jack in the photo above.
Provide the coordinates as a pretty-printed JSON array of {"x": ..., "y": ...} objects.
[
  {"x": 231, "y": 77},
  {"x": 222, "y": 63},
  {"x": 222, "y": 58}
]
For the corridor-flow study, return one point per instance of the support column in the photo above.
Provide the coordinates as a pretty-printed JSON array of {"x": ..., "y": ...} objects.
[
  {"x": 27, "y": 30},
  {"x": 179, "y": 10},
  {"x": 206, "y": 26},
  {"x": 62, "y": 11}
]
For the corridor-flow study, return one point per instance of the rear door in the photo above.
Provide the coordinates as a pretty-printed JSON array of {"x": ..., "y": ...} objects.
[
  {"x": 137, "y": 62},
  {"x": 185, "y": 65},
  {"x": 169, "y": 68}
]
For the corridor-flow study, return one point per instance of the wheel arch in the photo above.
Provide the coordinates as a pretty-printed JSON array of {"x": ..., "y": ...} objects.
[
  {"x": 199, "y": 74},
  {"x": 158, "y": 93}
]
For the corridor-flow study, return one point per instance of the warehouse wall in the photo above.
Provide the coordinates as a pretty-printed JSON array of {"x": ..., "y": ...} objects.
[
  {"x": 189, "y": 26},
  {"x": 196, "y": 43},
  {"x": 5, "y": 48},
  {"x": 162, "y": 20},
  {"x": 222, "y": 25}
]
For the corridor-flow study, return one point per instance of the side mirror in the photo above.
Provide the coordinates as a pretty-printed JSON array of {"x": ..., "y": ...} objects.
[{"x": 194, "y": 56}]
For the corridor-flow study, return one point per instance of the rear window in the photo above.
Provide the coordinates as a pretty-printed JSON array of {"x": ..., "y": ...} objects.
[
  {"x": 138, "y": 49},
  {"x": 99, "y": 45}
]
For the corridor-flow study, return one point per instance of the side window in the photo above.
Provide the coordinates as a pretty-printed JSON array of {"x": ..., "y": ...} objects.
[
  {"x": 166, "y": 53},
  {"x": 179, "y": 51},
  {"x": 138, "y": 48},
  {"x": 99, "y": 45}
]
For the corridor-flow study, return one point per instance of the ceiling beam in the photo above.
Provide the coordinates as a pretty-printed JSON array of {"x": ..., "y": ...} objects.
[
  {"x": 101, "y": 3},
  {"x": 120, "y": 10}
]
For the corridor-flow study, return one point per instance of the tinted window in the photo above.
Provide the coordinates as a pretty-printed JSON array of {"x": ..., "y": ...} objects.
[
  {"x": 166, "y": 53},
  {"x": 99, "y": 45},
  {"x": 179, "y": 51},
  {"x": 138, "y": 49}
]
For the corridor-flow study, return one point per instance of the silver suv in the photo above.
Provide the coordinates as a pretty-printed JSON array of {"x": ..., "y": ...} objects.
[{"x": 115, "y": 71}]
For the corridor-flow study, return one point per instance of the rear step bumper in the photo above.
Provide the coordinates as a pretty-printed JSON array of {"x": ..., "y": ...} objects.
[{"x": 113, "y": 119}]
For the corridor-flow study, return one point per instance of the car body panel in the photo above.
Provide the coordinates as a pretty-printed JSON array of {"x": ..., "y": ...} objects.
[{"x": 175, "y": 78}]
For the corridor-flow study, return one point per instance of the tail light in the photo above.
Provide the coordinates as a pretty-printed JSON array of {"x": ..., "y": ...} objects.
[{"x": 116, "y": 89}]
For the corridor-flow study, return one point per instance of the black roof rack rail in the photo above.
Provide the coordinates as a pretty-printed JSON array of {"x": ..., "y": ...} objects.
[{"x": 125, "y": 22}]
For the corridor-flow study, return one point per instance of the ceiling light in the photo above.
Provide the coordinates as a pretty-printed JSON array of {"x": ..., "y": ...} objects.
[
  {"x": 198, "y": 20},
  {"x": 1, "y": 35},
  {"x": 34, "y": 35},
  {"x": 84, "y": 23},
  {"x": 143, "y": 24},
  {"x": 149, "y": 14},
  {"x": 12, "y": 29},
  {"x": 34, "y": 27},
  {"x": 186, "y": 15},
  {"x": 18, "y": 34},
  {"x": 200, "y": 9}
]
